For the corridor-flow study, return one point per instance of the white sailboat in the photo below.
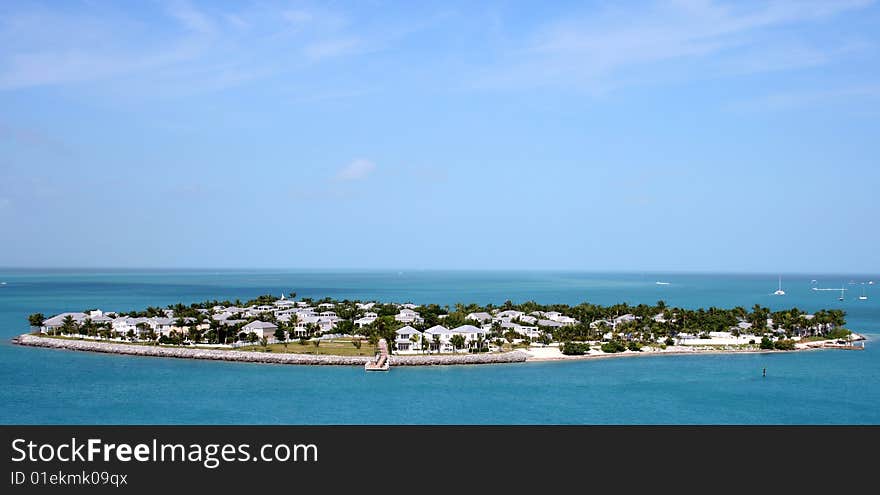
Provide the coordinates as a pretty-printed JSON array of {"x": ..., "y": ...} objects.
[
  {"x": 779, "y": 291},
  {"x": 841, "y": 294},
  {"x": 863, "y": 297}
]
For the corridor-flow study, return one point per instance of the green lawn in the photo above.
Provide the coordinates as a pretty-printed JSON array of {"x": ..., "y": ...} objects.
[{"x": 336, "y": 347}]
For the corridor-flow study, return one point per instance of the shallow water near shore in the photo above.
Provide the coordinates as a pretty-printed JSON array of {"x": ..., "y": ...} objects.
[{"x": 47, "y": 386}]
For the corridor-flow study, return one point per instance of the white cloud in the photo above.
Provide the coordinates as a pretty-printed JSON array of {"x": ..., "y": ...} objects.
[
  {"x": 358, "y": 169},
  {"x": 333, "y": 48},
  {"x": 191, "y": 18},
  {"x": 794, "y": 98},
  {"x": 600, "y": 50},
  {"x": 136, "y": 58},
  {"x": 297, "y": 16}
]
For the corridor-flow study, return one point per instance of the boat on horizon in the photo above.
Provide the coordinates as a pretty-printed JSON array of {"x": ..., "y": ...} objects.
[
  {"x": 863, "y": 297},
  {"x": 779, "y": 291},
  {"x": 662, "y": 283}
]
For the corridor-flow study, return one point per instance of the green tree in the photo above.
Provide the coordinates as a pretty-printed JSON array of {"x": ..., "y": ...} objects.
[
  {"x": 194, "y": 334},
  {"x": 281, "y": 336},
  {"x": 143, "y": 327},
  {"x": 36, "y": 320},
  {"x": 437, "y": 342},
  {"x": 457, "y": 342},
  {"x": 68, "y": 325}
]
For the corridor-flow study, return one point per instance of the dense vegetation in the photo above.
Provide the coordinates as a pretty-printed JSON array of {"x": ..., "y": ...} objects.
[{"x": 649, "y": 324}]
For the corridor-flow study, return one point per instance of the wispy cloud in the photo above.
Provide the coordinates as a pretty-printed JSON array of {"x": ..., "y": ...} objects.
[
  {"x": 798, "y": 98},
  {"x": 191, "y": 18},
  {"x": 333, "y": 48},
  {"x": 190, "y": 51},
  {"x": 600, "y": 50},
  {"x": 358, "y": 169},
  {"x": 30, "y": 137}
]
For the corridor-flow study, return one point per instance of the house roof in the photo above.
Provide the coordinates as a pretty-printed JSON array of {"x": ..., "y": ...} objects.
[
  {"x": 59, "y": 319},
  {"x": 549, "y": 323},
  {"x": 406, "y": 329},
  {"x": 482, "y": 315},
  {"x": 437, "y": 329},
  {"x": 467, "y": 329},
  {"x": 254, "y": 325}
]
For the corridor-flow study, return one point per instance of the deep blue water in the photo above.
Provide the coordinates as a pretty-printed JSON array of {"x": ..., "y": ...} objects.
[{"x": 47, "y": 386}]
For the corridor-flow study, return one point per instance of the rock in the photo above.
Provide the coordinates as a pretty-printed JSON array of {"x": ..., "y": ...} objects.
[{"x": 262, "y": 357}]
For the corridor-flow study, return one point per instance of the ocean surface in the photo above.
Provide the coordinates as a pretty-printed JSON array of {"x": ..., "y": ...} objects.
[{"x": 41, "y": 386}]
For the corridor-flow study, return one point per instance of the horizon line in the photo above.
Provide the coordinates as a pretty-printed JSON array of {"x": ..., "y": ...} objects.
[{"x": 694, "y": 271}]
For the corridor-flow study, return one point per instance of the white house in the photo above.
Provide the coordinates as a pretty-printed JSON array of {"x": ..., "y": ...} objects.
[
  {"x": 510, "y": 314},
  {"x": 123, "y": 324},
  {"x": 57, "y": 321},
  {"x": 470, "y": 333},
  {"x": 403, "y": 340},
  {"x": 620, "y": 320},
  {"x": 408, "y": 316},
  {"x": 550, "y": 323},
  {"x": 364, "y": 321},
  {"x": 437, "y": 337},
  {"x": 263, "y": 329},
  {"x": 481, "y": 317}
]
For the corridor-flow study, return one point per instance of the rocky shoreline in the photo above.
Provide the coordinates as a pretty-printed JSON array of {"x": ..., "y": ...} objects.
[{"x": 262, "y": 357}]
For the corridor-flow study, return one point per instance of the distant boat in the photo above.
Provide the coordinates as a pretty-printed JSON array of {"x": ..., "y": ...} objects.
[
  {"x": 863, "y": 297},
  {"x": 779, "y": 291},
  {"x": 869, "y": 283},
  {"x": 662, "y": 283},
  {"x": 841, "y": 295}
]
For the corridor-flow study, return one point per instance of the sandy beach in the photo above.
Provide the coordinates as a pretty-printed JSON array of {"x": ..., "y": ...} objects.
[{"x": 712, "y": 346}]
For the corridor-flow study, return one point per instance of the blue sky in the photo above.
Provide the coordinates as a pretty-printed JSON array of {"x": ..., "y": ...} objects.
[{"x": 685, "y": 135}]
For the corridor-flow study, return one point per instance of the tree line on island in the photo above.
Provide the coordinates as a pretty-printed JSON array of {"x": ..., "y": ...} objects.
[{"x": 596, "y": 325}]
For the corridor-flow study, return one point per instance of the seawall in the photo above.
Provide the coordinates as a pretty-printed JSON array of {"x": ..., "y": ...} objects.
[{"x": 263, "y": 357}]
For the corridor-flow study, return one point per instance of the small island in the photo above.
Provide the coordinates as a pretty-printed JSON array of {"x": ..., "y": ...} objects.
[{"x": 286, "y": 330}]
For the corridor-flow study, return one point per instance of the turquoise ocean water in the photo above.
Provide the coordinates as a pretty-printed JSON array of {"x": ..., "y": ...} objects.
[{"x": 48, "y": 386}]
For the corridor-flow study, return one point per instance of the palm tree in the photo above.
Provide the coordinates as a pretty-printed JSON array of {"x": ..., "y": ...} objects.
[
  {"x": 68, "y": 325},
  {"x": 457, "y": 342},
  {"x": 280, "y": 335},
  {"x": 142, "y": 327},
  {"x": 36, "y": 321},
  {"x": 317, "y": 344},
  {"x": 437, "y": 342}
]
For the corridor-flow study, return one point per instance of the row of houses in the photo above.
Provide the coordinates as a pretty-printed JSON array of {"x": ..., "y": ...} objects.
[
  {"x": 122, "y": 324},
  {"x": 438, "y": 337}
]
